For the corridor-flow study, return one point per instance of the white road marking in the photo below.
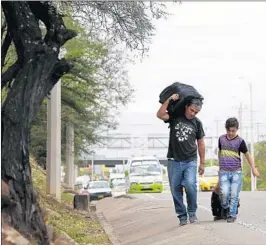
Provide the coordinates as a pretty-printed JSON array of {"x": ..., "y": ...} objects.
[{"x": 239, "y": 222}]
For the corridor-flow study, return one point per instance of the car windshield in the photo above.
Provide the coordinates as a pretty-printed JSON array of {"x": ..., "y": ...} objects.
[
  {"x": 211, "y": 172},
  {"x": 147, "y": 167},
  {"x": 96, "y": 185}
]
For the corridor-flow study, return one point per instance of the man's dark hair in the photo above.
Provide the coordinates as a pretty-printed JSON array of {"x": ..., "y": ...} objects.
[
  {"x": 194, "y": 101},
  {"x": 231, "y": 122}
]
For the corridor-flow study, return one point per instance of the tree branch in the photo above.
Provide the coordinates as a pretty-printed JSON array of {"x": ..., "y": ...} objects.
[
  {"x": 5, "y": 47},
  {"x": 23, "y": 26},
  {"x": 62, "y": 67},
  {"x": 57, "y": 34},
  {"x": 10, "y": 74},
  {"x": 3, "y": 28}
]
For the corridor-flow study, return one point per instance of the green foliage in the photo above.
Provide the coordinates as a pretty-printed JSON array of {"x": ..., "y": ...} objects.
[
  {"x": 211, "y": 162},
  {"x": 126, "y": 21},
  {"x": 260, "y": 156},
  {"x": 95, "y": 87},
  {"x": 126, "y": 173},
  {"x": 81, "y": 229}
]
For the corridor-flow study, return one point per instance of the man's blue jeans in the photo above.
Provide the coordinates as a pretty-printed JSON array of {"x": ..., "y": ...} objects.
[
  {"x": 230, "y": 186},
  {"x": 183, "y": 174}
]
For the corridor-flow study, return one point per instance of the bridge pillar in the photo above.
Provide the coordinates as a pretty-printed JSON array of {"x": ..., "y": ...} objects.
[
  {"x": 70, "y": 155},
  {"x": 53, "y": 160},
  {"x": 76, "y": 173}
]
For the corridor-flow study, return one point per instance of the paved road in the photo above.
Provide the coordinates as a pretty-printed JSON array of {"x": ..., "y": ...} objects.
[{"x": 149, "y": 219}]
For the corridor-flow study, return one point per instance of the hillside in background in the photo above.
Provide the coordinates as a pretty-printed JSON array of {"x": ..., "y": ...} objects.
[{"x": 64, "y": 224}]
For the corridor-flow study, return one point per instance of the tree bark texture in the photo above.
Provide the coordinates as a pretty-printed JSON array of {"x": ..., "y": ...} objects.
[{"x": 39, "y": 70}]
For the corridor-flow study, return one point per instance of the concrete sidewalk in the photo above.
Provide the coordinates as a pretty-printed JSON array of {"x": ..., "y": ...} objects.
[{"x": 151, "y": 221}]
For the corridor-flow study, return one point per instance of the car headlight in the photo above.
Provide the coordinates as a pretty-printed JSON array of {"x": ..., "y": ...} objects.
[
  {"x": 133, "y": 183},
  {"x": 158, "y": 182}
]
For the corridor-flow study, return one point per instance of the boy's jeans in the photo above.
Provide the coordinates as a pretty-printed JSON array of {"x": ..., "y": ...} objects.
[
  {"x": 183, "y": 174},
  {"x": 230, "y": 186}
]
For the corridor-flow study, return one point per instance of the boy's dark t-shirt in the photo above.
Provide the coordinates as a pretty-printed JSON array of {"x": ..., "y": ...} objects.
[{"x": 183, "y": 136}]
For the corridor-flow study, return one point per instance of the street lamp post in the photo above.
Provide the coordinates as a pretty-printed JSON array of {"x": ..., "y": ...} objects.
[
  {"x": 92, "y": 167},
  {"x": 253, "y": 179}
]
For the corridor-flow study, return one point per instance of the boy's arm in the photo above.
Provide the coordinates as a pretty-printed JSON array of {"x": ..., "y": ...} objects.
[
  {"x": 244, "y": 150},
  {"x": 250, "y": 159},
  {"x": 252, "y": 164}
]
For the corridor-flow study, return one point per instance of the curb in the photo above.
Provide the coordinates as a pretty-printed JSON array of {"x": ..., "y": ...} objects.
[{"x": 108, "y": 229}]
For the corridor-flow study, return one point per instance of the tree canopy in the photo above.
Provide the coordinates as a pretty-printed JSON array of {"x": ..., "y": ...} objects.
[{"x": 94, "y": 88}]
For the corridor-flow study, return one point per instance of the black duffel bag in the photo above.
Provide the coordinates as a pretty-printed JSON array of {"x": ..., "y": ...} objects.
[{"x": 186, "y": 94}]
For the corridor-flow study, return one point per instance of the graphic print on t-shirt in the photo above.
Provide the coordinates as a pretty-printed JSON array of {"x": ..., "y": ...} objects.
[{"x": 182, "y": 131}]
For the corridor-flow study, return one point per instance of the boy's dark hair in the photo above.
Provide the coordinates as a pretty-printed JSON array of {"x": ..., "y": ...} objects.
[{"x": 231, "y": 122}]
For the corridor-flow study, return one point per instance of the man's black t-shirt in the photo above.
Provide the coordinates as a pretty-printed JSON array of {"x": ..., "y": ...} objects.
[{"x": 183, "y": 136}]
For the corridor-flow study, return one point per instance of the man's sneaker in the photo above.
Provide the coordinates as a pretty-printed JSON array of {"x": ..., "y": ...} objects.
[
  {"x": 183, "y": 222},
  {"x": 224, "y": 213},
  {"x": 193, "y": 219},
  {"x": 231, "y": 219}
]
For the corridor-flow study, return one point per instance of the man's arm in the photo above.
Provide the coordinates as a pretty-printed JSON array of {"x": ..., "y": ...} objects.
[
  {"x": 162, "y": 112},
  {"x": 201, "y": 149}
]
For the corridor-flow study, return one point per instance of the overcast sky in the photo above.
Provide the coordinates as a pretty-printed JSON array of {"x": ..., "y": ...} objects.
[{"x": 218, "y": 48}]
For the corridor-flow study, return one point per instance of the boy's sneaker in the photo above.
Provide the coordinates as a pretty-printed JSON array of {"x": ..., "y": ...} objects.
[
  {"x": 217, "y": 218},
  {"x": 183, "y": 222},
  {"x": 193, "y": 219},
  {"x": 231, "y": 219}
]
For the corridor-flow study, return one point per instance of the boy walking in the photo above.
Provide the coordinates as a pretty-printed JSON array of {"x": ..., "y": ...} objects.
[{"x": 230, "y": 174}]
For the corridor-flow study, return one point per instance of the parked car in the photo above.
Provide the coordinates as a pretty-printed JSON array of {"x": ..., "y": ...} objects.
[
  {"x": 99, "y": 189},
  {"x": 120, "y": 187},
  {"x": 81, "y": 182}
]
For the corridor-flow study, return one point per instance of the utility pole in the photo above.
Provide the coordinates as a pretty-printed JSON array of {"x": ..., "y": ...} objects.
[
  {"x": 240, "y": 113},
  {"x": 217, "y": 128},
  {"x": 92, "y": 167},
  {"x": 123, "y": 165},
  {"x": 258, "y": 132},
  {"x": 253, "y": 179}
]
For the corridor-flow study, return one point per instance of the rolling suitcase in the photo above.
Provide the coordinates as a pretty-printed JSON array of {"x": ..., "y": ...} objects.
[{"x": 216, "y": 206}]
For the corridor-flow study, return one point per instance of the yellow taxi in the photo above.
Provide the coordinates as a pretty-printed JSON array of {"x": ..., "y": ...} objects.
[{"x": 209, "y": 179}]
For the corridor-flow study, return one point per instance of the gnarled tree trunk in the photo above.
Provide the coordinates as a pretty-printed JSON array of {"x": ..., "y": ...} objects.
[{"x": 36, "y": 72}]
